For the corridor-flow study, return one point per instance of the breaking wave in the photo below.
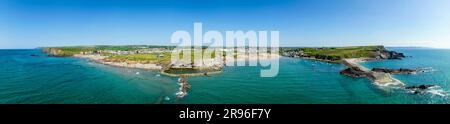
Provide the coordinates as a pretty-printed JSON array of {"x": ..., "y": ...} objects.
[
  {"x": 436, "y": 90},
  {"x": 433, "y": 90}
]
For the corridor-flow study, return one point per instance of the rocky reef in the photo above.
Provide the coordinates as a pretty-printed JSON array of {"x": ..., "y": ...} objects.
[
  {"x": 395, "y": 71},
  {"x": 420, "y": 88},
  {"x": 184, "y": 87}
]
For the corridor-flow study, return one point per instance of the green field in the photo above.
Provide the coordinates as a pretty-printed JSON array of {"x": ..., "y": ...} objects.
[
  {"x": 72, "y": 50},
  {"x": 160, "y": 58},
  {"x": 157, "y": 57}
]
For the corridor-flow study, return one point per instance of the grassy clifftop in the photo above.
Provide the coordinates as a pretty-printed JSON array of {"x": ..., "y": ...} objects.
[
  {"x": 339, "y": 53},
  {"x": 72, "y": 50},
  {"x": 344, "y": 52},
  {"x": 160, "y": 58},
  {"x": 131, "y": 53}
]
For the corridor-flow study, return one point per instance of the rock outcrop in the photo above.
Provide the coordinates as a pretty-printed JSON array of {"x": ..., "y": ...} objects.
[
  {"x": 184, "y": 87},
  {"x": 293, "y": 54},
  {"x": 395, "y": 71},
  {"x": 354, "y": 72},
  {"x": 420, "y": 89},
  {"x": 386, "y": 54}
]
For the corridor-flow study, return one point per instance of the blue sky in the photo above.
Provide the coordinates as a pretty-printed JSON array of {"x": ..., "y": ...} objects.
[{"x": 35, "y": 23}]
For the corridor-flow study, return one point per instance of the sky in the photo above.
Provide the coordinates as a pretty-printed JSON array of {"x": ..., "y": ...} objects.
[{"x": 311, "y": 23}]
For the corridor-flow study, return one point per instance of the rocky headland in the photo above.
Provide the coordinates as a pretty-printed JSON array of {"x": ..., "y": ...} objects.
[{"x": 351, "y": 57}]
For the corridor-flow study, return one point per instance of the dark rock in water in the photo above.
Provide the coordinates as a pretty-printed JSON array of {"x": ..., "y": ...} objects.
[
  {"x": 395, "y": 71},
  {"x": 353, "y": 72},
  {"x": 417, "y": 92},
  {"x": 420, "y": 87},
  {"x": 408, "y": 71},
  {"x": 184, "y": 86}
]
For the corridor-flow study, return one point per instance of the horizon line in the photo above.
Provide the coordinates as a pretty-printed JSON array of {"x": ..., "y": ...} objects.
[{"x": 213, "y": 46}]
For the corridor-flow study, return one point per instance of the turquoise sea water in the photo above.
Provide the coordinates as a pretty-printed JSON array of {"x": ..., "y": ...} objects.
[{"x": 41, "y": 79}]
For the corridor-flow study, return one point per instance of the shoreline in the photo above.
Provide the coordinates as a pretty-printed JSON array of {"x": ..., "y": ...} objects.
[
  {"x": 211, "y": 69},
  {"x": 100, "y": 59},
  {"x": 378, "y": 78},
  {"x": 190, "y": 74}
]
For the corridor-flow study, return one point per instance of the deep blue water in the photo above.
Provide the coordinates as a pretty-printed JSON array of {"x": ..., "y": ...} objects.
[{"x": 42, "y": 79}]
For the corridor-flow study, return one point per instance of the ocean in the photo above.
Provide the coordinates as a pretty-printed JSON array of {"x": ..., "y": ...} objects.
[{"x": 31, "y": 77}]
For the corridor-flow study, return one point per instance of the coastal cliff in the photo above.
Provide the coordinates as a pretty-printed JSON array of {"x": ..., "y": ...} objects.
[
  {"x": 55, "y": 52},
  {"x": 337, "y": 54}
]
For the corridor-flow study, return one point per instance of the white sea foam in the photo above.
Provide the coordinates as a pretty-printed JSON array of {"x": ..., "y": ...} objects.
[
  {"x": 426, "y": 69},
  {"x": 392, "y": 84},
  {"x": 395, "y": 84},
  {"x": 166, "y": 98},
  {"x": 436, "y": 90},
  {"x": 180, "y": 94}
]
